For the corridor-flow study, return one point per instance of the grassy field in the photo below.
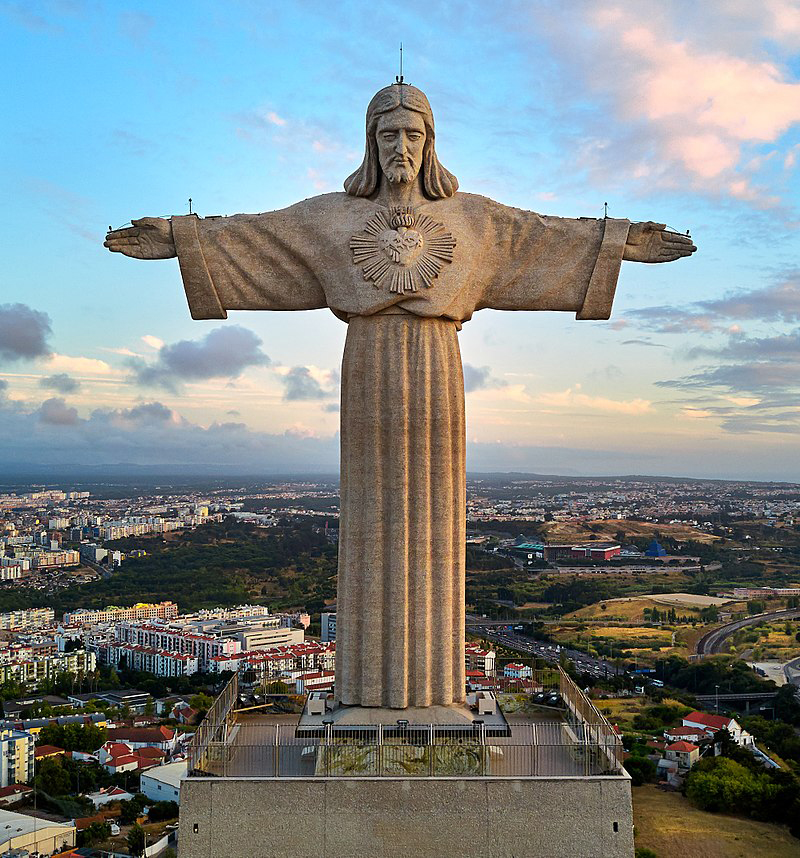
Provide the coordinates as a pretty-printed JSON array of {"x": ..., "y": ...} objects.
[
  {"x": 622, "y": 710},
  {"x": 606, "y": 529},
  {"x": 631, "y": 608},
  {"x": 776, "y": 642},
  {"x": 645, "y": 641},
  {"x": 669, "y": 825}
]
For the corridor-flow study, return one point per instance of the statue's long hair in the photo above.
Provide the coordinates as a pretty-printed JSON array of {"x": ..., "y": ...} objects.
[{"x": 437, "y": 182}]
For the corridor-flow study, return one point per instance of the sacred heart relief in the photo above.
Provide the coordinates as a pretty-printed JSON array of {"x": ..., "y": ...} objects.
[{"x": 403, "y": 251}]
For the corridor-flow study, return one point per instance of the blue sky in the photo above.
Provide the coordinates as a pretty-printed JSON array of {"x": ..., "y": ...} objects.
[{"x": 666, "y": 111}]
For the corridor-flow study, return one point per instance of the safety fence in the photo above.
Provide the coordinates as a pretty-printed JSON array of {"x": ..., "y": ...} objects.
[{"x": 546, "y": 749}]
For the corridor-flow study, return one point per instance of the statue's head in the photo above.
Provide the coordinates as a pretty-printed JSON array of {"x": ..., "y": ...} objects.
[{"x": 400, "y": 145}]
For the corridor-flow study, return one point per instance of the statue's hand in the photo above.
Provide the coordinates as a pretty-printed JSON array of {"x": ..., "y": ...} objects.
[
  {"x": 148, "y": 238},
  {"x": 651, "y": 242}
]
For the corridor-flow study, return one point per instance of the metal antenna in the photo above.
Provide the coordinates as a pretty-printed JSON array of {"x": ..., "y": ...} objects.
[
  {"x": 190, "y": 205},
  {"x": 399, "y": 78},
  {"x": 605, "y": 210}
]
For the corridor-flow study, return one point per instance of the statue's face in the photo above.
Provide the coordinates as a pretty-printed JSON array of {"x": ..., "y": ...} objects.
[{"x": 400, "y": 135}]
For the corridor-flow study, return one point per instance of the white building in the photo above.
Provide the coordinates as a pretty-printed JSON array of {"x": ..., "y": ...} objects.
[
  {"x": 31, "y": 833},
  {"x": 163, "y": 783},
  {"x": 712, "y": 724}
]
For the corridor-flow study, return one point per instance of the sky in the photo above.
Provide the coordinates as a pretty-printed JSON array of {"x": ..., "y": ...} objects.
[{"x": 682, "y": 113}]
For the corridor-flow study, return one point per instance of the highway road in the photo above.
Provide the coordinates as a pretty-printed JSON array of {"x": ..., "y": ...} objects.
[
  {"x": 711, "y": 642},
  {"x": 551, "y": 653}
]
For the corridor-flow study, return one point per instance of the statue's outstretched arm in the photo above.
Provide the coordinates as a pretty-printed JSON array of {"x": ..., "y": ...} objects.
[
  {"x": 653, "y": 242},
  {"x": 148, "y": 238}
]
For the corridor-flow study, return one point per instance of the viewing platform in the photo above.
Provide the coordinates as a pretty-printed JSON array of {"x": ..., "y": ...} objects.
[
  {"x": 549, "y": 761},
  {"x": 565, "y": 735}
]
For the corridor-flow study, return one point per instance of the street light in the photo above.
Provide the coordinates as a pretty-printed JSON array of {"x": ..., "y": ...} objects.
[{"x": 717, "y": 695}]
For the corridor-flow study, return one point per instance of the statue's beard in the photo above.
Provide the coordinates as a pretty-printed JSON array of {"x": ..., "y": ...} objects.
[{"x": 398, "y": 175}]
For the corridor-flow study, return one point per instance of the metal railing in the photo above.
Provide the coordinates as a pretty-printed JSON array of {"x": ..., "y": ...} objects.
[
  {"x": 546, "y": 749},
  {"x": 583, "y": 744},
  {"x": 216, "y": 726},
  {"x": 583, "y": 714}
]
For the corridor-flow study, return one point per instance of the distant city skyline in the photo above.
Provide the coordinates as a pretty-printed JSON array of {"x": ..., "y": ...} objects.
[{"x": 680, "y": 114}]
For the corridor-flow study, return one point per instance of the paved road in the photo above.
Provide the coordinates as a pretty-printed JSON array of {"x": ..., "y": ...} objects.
[
  {"x": 711, "y": 642},
  {"x": 792, "y": 671},
  {"x": 552, "y": 653}
]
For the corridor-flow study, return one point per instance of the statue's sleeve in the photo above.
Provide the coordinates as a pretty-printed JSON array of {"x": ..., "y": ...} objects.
[
  {"x": 554, "y": 263},
  {"x": 245, "y": 262}
]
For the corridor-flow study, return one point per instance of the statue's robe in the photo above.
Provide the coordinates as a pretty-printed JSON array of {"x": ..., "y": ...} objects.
[{"x": 400, "y": 604}]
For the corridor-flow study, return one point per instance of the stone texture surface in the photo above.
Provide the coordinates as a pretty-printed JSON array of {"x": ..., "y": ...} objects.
[
  {"x": 389, "y": 818},
  {"x": 405, "y": 258}
]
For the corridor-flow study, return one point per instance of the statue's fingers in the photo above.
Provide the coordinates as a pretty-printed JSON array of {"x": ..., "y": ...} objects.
[
  {"x": 127, "y": 232},
  {"x": 672, "y": 255},
  {"x": 122, "y": 241},
  {"x": 677, "y": 238}
]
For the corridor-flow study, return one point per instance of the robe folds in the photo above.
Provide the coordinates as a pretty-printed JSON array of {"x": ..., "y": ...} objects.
[{"x": 400, "y": 601}]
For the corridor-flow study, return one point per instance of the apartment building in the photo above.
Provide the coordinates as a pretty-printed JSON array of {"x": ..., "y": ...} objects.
[
  {"x": 16, "y": 756},
  {"x": 114, "y": 614}
]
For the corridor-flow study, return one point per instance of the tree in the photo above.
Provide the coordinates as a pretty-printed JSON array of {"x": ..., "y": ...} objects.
[
  {"x": 641, "y": 769},
  {"x": 97, "y": 832},
  {"x": 51, "y": 777},
  {"x": 130, "y": 811},
  {"x": 201, "y": 702},
  {"x": 137, "y": 840},
  {"x": 162, "y": 810}
]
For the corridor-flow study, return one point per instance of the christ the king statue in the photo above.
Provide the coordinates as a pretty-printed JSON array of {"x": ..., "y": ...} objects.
[{"x": 405, "y": 259}]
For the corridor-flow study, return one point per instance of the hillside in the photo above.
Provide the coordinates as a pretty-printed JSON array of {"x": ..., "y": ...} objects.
[{"x": 217, "y": 564}]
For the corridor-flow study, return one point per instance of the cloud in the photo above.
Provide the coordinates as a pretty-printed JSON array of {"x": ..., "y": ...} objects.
[
  {"x": 56, "y": 412},
  {"x": 644, "y": 343},
  {"x": 151, "y": 433},
  {"x": 776, "y": 302},
  {"x": 80, "y": 365},
  {"x": 24, "y": 332},
  {"x": 573, "y": 398},
  {"x": 153, "y": 342},
  {"x": 303, "y": 383},
  {"x": 60, "y": 382},
  {"x": 480, "y": 378},
  {"x": 684, "y": 94},
  {"x": 223, "y": 353},
  {"x": 317, "y": 150}
]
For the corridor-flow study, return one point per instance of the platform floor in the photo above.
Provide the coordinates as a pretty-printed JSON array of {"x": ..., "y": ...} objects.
[{"x": 262, "y": 747}]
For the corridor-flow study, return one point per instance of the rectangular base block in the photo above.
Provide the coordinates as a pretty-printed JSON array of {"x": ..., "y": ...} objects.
[{"x": 581, "y": 817}]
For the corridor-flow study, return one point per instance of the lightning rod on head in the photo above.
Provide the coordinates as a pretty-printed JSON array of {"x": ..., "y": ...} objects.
[
  {"x": 399, "y": 78},
  {"x": 190, "y": 205}
]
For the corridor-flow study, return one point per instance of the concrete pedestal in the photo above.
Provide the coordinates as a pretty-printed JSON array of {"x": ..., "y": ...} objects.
[{"x": 566, "y": 817}]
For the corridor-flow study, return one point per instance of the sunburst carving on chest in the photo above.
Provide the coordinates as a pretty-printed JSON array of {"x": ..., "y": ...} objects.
[{"x": 404, "y": 250}]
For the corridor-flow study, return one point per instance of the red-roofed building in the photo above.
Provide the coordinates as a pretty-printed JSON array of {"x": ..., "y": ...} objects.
[
  {"x": 517, "y": 671},
  {"x": 184, "y": 714},
  {"x": 164, "y": 738},
  {"x": 43, "y": 751},
  {"x": 695, "y": 735},
  {"x": 712, "y": 724},
  {"x": 685, "y": 754},
  {"x": 13, "y": 793},
  {"x": 123, "y": 763}
]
